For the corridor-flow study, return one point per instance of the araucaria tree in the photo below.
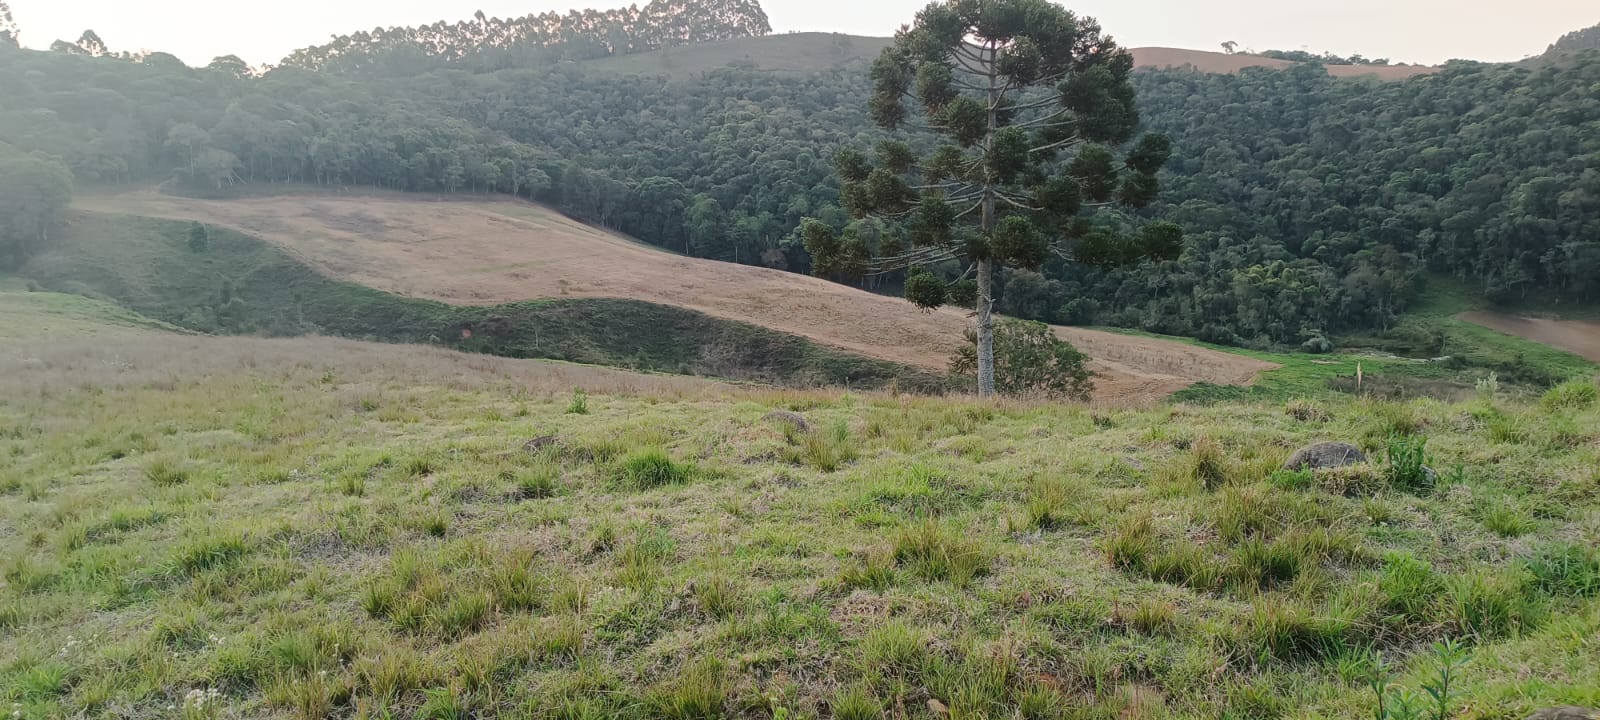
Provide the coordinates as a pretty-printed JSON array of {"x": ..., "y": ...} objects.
[{"x": 1029, "y": 102}]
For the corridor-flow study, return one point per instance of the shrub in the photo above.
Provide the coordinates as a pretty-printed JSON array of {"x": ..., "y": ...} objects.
[
  {"x": 1030, "y": 361},
  {"x": 1571, "y": 394},
  {"x": 652, "y": 468},
  {"x": 1569, "y": 570},
  {"x": 1407, "y": 467},
  {"x": 579, "y": 404}
]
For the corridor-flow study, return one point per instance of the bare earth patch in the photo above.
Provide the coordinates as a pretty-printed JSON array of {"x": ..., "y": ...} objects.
[
  {"x": 488, "y": 251},
  {"x": 1162, "y": 58},
  {"x": 1579, "y": 337}
]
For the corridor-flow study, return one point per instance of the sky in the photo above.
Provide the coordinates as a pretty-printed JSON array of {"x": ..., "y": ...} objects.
[{"x": 1415, "y": 31}]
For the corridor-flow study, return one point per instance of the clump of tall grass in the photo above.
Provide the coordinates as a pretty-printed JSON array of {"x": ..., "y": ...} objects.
[
  {"x": 936, "y": 552},
  {"x": 652, "y": 468}
]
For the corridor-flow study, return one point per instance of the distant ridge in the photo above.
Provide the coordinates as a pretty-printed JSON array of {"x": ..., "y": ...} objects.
[{"x": 818, "y": 52}]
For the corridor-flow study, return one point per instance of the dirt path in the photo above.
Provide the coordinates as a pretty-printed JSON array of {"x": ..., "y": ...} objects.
[
  {"x": 1579, "y": 337},
  {"x": 488, "y": 251}
]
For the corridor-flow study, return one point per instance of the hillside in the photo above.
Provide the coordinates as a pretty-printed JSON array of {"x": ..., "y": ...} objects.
[
  {"x": 800, "y": 53},
  {"x": 207, "y": 527},
  {"x": 487, "y": 252}
]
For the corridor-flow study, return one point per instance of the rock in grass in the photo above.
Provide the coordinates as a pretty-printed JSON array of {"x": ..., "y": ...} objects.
[
  {"x": 1325, "y": 455},
  {"x": 541, "y": 444},
  {"x": 792, "y": 419},
  {"x": 1566, "y": 713}
]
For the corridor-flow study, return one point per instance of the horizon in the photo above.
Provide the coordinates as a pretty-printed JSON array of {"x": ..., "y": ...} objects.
[{"x": 1408, "y": 35}]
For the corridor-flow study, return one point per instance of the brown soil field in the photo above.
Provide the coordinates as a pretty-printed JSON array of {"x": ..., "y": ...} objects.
[
  {"x": 1215, "y": 62},
  {"x": 1579, "y": 337},
  {"x": 487, "y": 251}
]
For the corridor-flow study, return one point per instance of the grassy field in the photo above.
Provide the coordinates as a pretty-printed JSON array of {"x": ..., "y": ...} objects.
[
  {"x": 231, "y": 283},
  {"x": 207, "y": 527}
]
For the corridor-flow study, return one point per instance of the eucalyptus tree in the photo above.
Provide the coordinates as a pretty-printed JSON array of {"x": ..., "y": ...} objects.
[{"x": 1029, "y": 101}]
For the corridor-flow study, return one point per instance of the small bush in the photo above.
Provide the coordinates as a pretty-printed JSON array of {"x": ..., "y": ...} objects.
[
  {"x": 934, "y": 552},
  {"x": 652, "y": 468},
  {"x": 1568, "y": 570},
  {"x": 1407, "y": 467},
  {"x": 579, "y": 404},
  {"x": 1571, "y": 394}
]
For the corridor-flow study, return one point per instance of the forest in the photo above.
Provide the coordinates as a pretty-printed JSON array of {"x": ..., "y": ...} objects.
[{"x": 1312, "y": 205}]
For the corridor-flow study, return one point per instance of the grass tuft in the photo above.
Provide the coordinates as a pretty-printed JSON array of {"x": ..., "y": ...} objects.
[
  {"x": 165, "y": 473},
  {"x": 935, "y": 552},
  {"x": 652, "y": 468}
]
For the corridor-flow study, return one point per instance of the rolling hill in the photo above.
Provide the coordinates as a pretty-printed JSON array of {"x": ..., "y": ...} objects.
[
  {"x": 813, "y": 52},
  {"x": 493, "y": 251}
]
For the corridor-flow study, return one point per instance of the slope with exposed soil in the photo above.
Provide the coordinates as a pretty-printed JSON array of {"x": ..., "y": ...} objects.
[
  {"x": 491, "y": 251},
  {"x": 1579, "y": 337}
]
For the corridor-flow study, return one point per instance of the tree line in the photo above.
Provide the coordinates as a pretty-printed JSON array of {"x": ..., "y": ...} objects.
[{"x": 1312, "y": 205}]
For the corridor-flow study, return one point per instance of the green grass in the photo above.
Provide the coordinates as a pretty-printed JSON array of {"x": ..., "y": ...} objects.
[
  {"x": 242, "y": 285},
  {"x": 675, "y": 554},
  {"x": 40, "y": 315}
]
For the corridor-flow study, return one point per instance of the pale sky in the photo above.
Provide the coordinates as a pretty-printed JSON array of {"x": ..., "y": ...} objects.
[{"x": 1416, "y": 31}]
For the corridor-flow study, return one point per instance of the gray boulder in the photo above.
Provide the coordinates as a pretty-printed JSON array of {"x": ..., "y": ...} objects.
[
  {"x": 1565, "y": 713},
  {"x": 792, "y": 419},
  {"x": 540, "y": 444},
  {"x": 1325, "y": 455}
]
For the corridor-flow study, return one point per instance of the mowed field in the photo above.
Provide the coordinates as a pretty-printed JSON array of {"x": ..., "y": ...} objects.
[
  {"x": 490, "y": 251},
  {"x": 1579, "y": 337}
]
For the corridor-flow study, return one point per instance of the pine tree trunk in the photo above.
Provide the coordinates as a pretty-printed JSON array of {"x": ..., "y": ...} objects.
[
  {"x": 985, "y": 265},
  {"x": 985, "y": 329}
]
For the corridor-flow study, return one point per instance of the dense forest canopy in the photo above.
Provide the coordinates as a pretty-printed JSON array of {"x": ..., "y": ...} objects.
[
  {"x": 492, "y": 43},
  {"x": 1312, "y": 204}
]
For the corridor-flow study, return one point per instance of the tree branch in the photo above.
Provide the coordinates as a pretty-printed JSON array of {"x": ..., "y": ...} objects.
[{"x": 1074, "y": 140}]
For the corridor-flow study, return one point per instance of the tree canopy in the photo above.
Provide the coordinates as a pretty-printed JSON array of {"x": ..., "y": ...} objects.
[{"x": 1027, "y": 101}]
